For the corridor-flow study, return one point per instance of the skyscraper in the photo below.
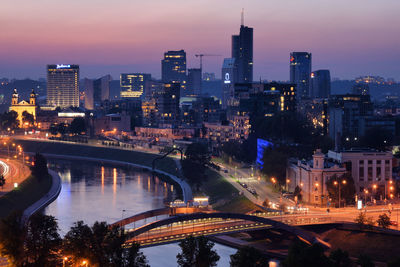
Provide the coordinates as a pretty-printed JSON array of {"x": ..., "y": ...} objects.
[
  {"x": 193, "y": 82},
  {"x": 167, "y": 102},
  {"x": 242, "y": 51},
  {"x": 96, "y": 91},
  {"x": 133, "y": 84},
  {"x": 229, "y": 78},
  {"x": 63, "y": 85},
  {"x": 300, "y": 73},
  {"x": 320, "y": 84},
  {"x": 173, "y": 68}
]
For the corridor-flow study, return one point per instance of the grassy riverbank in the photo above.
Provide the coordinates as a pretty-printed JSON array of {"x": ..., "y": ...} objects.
[
  {"x": 224, "y": 196},
  {"x": 27, "y": 193},
  {"x": 70, "y": 149}
]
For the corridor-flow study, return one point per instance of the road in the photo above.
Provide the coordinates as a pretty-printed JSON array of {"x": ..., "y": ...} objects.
[
  {"x": 15, "y": 172},
  {"x": 263, "y": 189}
]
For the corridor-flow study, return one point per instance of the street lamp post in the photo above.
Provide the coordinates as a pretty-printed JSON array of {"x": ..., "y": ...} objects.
[
  {"x": 365, "y": 197},
  {"x": 339, "y": 188}
]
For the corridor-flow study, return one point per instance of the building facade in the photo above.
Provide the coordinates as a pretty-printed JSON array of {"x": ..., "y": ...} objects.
[
  {"x": 300, "y": 73},
  {"x": 173, "y": 68},
  {"x": 193, "y": 86},
  {"x": 21, "y": 106},
  {"x": 229, "y": 78},
  {"x": 242, "y": 52},
  {"x": 311, "y": 177},
  {"x": 371, "y": 170},
  {"x": 63, "y": 85},
  {"x": 133, "y": 84},
  {"x": 320, "y": 84}
]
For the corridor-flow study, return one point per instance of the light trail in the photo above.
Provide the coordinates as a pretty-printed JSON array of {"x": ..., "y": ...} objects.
[{"x": 5, "y": 168}]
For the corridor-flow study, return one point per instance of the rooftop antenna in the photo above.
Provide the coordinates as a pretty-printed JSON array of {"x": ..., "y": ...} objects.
[{"x": 242, "y": 17}]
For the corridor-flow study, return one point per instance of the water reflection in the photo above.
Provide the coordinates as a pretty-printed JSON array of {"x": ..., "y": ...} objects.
[
  {"x": 93, "y": 192},
  {"x": 100, "y": 192}
]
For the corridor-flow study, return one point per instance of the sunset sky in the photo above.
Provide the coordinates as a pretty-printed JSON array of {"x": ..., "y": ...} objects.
[{"x": 349, "y": 37}]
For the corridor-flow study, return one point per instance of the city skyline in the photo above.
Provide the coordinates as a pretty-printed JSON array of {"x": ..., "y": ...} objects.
[{"x": 345, "y": 38}]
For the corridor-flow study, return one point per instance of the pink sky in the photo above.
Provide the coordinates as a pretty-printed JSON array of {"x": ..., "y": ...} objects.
[{"x": 350, "y": 38}]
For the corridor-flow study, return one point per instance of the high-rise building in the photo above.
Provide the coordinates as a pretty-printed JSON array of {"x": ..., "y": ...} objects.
[
  {"x": 300, "y": 73},
  {"x": 173, "y": 68},
  {"x": 320, "y": 84},
  {"x": 193, "y": 83},
  {"x": 89, "y": 95},
  {"x": 133, "y": 84},
  {"x": 229, "y": 78},
  {"x": 167, "y": 102},
  {"x": 96, "y": 91},
  {"x": 63, "y": 85},
  {"x": 347, "y": 116},
  {"x": 101, "y": 88},
  {"x": 242, "y": 51}
]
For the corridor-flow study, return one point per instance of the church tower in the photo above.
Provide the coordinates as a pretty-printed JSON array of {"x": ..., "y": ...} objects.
[
  {"x": 32, "y": 98},
  {"x": 14, "y": 100}
]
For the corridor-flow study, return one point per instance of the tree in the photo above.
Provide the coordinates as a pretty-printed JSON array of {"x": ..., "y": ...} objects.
[
  {"x": 231, "y": 150},
  {"x": 102, "y": 245},
  {"x": 78, "y": 126},
  {"x": 248, "y": 257},
  {"x": 197, "y": 252},
  {"x": 2, "y": 181},
  {"x": 198, "y": 152},
  {"x": 42, "y": 240},
  {"x": 27, "y": 118},
  {"x": 297, "y": 193},
  {"x": 303, "y": 255},
  {"x": 275, "y": 162},
  {"x": 12, "y": 236},
  {"x": 77, "y": 242},
  {"x": 8, "y": 120},
  {"x": 384, "y": 221},
  {"x": 363, "y": 221},
  {"x": 134, "y": 258},
  {"x": 194, "y": 165},
  {"x": 340, "y": 258},
  {"x": 347, "y": 188},
  {"x": 39, "y": 167}
]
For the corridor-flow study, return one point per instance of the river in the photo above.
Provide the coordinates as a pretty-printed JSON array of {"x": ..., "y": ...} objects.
[{"x": 102, "y": 192}]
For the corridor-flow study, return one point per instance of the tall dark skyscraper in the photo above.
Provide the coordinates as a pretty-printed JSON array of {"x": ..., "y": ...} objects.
[
  {"x": 63, "y": 85},
  {"x": 320, "y": 84},
  {"x": 173, "y": 68},
  {"x": 242, "y": 51},
  {"x": 300, "y": 73},
  {"x": 193, "y": 82}
]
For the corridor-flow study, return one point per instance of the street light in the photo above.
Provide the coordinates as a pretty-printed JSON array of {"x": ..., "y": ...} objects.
[
  {"x": 365, "y": 196},
  {"x": 339, "y": 189},
  {"x": 85, "y": 262}
]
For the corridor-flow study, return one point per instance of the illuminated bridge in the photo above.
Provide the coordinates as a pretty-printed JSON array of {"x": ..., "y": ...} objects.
[{"x": 183, "y": 222}]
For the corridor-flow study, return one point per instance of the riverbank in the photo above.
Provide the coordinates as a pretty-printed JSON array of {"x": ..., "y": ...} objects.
[
  {"x": 25, "y": 195},
  {"x": 166, "y": 167},
  {"x": 45, "y": 200}
]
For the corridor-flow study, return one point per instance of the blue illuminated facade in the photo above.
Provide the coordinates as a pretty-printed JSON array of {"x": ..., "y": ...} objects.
[{"x": 261, "y": 145}]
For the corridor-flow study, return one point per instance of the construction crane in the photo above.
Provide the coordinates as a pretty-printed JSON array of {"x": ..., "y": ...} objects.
[{"x": 205, "y": 55}]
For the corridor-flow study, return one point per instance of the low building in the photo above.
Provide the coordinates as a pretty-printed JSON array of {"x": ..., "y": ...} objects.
[
  {"x": 113, "y": 122},
  {"x": 370, "y": 169},
  {"x": 163, "y": 134},
  {"x": 311, "y": 176}
]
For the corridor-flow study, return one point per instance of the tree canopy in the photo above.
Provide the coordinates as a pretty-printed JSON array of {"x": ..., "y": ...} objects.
[{"x": 197, "y": 252}]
